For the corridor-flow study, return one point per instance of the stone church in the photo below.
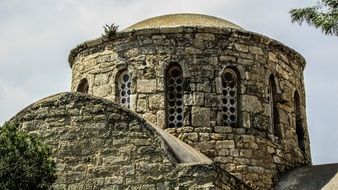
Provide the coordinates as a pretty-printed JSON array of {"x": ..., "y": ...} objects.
[{"x": 181, "y": 101}]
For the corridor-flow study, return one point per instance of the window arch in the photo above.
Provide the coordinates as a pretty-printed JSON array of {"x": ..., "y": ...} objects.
[
  {"x": 174, "y": 96},
  {"x": 299, "y": 122},
  {"x": 123, "y": 88},
  {"x": 274, "y": 117},
  {"x": 230, "y": 85},
  {"x": 83, "y": 86}
]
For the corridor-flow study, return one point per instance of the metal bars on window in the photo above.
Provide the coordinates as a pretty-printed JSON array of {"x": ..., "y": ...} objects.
[
  {"x": 229, "y": 97},
  {"x": 174, "y": 97},
  {"x": 124, "y": 92}
]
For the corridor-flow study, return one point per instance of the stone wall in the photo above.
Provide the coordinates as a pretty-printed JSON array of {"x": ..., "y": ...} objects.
[
  {"x": 99, "y": 145},
  {"x": 249, "y": 151}
]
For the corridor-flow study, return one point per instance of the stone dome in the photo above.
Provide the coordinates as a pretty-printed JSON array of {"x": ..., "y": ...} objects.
[
  {"x": 236, "y": 96},
  {"x": 182, "y": 19}
]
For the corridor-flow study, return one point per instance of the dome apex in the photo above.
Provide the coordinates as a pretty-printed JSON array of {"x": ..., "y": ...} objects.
[{"x": 182, "y": 19}]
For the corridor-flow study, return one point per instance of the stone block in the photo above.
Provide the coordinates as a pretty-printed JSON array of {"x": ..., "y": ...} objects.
[
  {"x": 242, "y": 48},
  {"x": 227, "y": 58},
  {"x": 222, "y": 159},
  {"x": 113, "y": 180},
  {"x": 200, "y": 117},
  {"x": 223, "y": 129},
  {"x": 146, "y": 86},
  {"x": 191, "y": 50},
  {"x": 256, "y": 50},
  {"x": 198, "y": 98},
  {"x": 225, "y": 144},
  {"x": 141, "y": 105},
  {"x": 273, "y": 57},
  {"x": 245, "y": 61},
  {"x": 234, "y": 152},
  {"x": 133, "y": 102},
  {"x": 211, "y": 100},
  {"x": 276, "y": 159},
  {"x": 103, "y": 90},
  {"x": 101, "y": 79},
  {"x": 205, "y": 145},
  {"x": 203, "y": 87},
  {"x": 204, "y": 136},
  {"x": 251, "y": 104},
  {"x": 223, "y": 152},
  {"x": 150, "y": 117},
  {"x": 205, "y": 36},
  {"x": 160, "y": 117},
  {"x": 218, "y": 136},
  {"x": 156, "y": 102},
  {"x": 188, "y": 99},
  {"x": 245, "y": 153}
]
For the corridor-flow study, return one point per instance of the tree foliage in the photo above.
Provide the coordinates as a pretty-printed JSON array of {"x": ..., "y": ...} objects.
[
  {"x": 324, "y": 16},
  {"x": 25, "y": 162}
]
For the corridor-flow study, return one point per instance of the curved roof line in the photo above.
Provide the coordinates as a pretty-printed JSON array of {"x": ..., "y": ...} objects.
[
  {"x": 183, "y": 152},
  {"x": 182, "y": 19}
]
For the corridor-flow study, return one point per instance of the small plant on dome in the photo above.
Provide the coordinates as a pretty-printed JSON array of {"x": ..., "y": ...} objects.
[{"x": 110, "y": 31}]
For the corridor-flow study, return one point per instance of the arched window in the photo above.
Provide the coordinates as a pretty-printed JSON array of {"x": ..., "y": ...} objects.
[
  {"x": 123, "y": 88},
  {"x": 229, "y": 97},
  {"x": 272, "y": 96},
  {"x": 299, "y": 123},
  {"x": 174, "y": 96},
  {"x": 83, "y": 86}
]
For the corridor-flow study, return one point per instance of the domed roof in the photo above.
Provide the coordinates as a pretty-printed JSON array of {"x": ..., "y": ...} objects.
[{"x": 183, "y": 19}]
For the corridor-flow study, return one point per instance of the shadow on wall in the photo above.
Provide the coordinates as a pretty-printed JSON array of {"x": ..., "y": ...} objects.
[{"x": 310, "y": 178}]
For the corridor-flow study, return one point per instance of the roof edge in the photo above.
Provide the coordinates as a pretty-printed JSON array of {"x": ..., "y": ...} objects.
[
  {"x": 184, "y": 29},
  {"x": 182, "y": 152},
  {"x": 182, "y": 19}
]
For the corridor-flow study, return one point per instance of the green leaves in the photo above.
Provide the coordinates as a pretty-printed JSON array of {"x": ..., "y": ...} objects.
[
  {"x": 110, "y": 31},
  {"x": 25, "y": 162},
  {"x": 324, "y": 16}
]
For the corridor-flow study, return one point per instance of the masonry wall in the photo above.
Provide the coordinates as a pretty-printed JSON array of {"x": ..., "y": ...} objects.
[
  {"x": 98, "y": 145},
  {"x": 249, "y": 151}
]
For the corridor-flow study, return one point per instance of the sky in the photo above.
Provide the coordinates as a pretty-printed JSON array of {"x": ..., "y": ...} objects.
[{"x": 37, "y": 35}]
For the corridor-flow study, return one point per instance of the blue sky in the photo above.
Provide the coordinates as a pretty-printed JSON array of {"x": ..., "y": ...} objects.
[{"x": 37, "y": 35}]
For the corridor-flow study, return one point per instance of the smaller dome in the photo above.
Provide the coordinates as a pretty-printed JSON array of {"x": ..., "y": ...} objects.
[{"x": 183, "y": 19}]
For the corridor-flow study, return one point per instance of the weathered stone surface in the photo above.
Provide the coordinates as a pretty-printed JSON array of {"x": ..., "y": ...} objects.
[
  {"x": 156, "y": 102},
  {"x": 251, "y": 104},
  {"x": 146, "y": 86},
  {"x": 203, "y": 54},
  {"x": 205, "y": 36},
  {"x": 225, "y": 144},
  {"x": 200, "y": 116},
  {"x": 256, "y": 50},
  {"x": 131, "y": 155},
  {"x": 160, "y": 117}
]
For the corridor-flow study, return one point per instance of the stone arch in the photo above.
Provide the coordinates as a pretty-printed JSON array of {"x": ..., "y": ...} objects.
[
  {"x": 83, "y": 86},
  {"x": 299, "y": 121},
  {"x": 274, "y": 114},
  {"x": 123, "y": 87},
  {"x": 229, "y": 96},
  {"x": 238, "y": 68},
  {"x": 174, "y": 93},
  {"x": 175, "y": 60},
  {"x": 277, "y": 83}
]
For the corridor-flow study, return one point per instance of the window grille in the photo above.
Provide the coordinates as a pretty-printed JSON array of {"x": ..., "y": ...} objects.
[
  {"x": 174, "y": 97},
  {"x": 124, "y": 83},
  {"x": 229, "y": 97}
]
